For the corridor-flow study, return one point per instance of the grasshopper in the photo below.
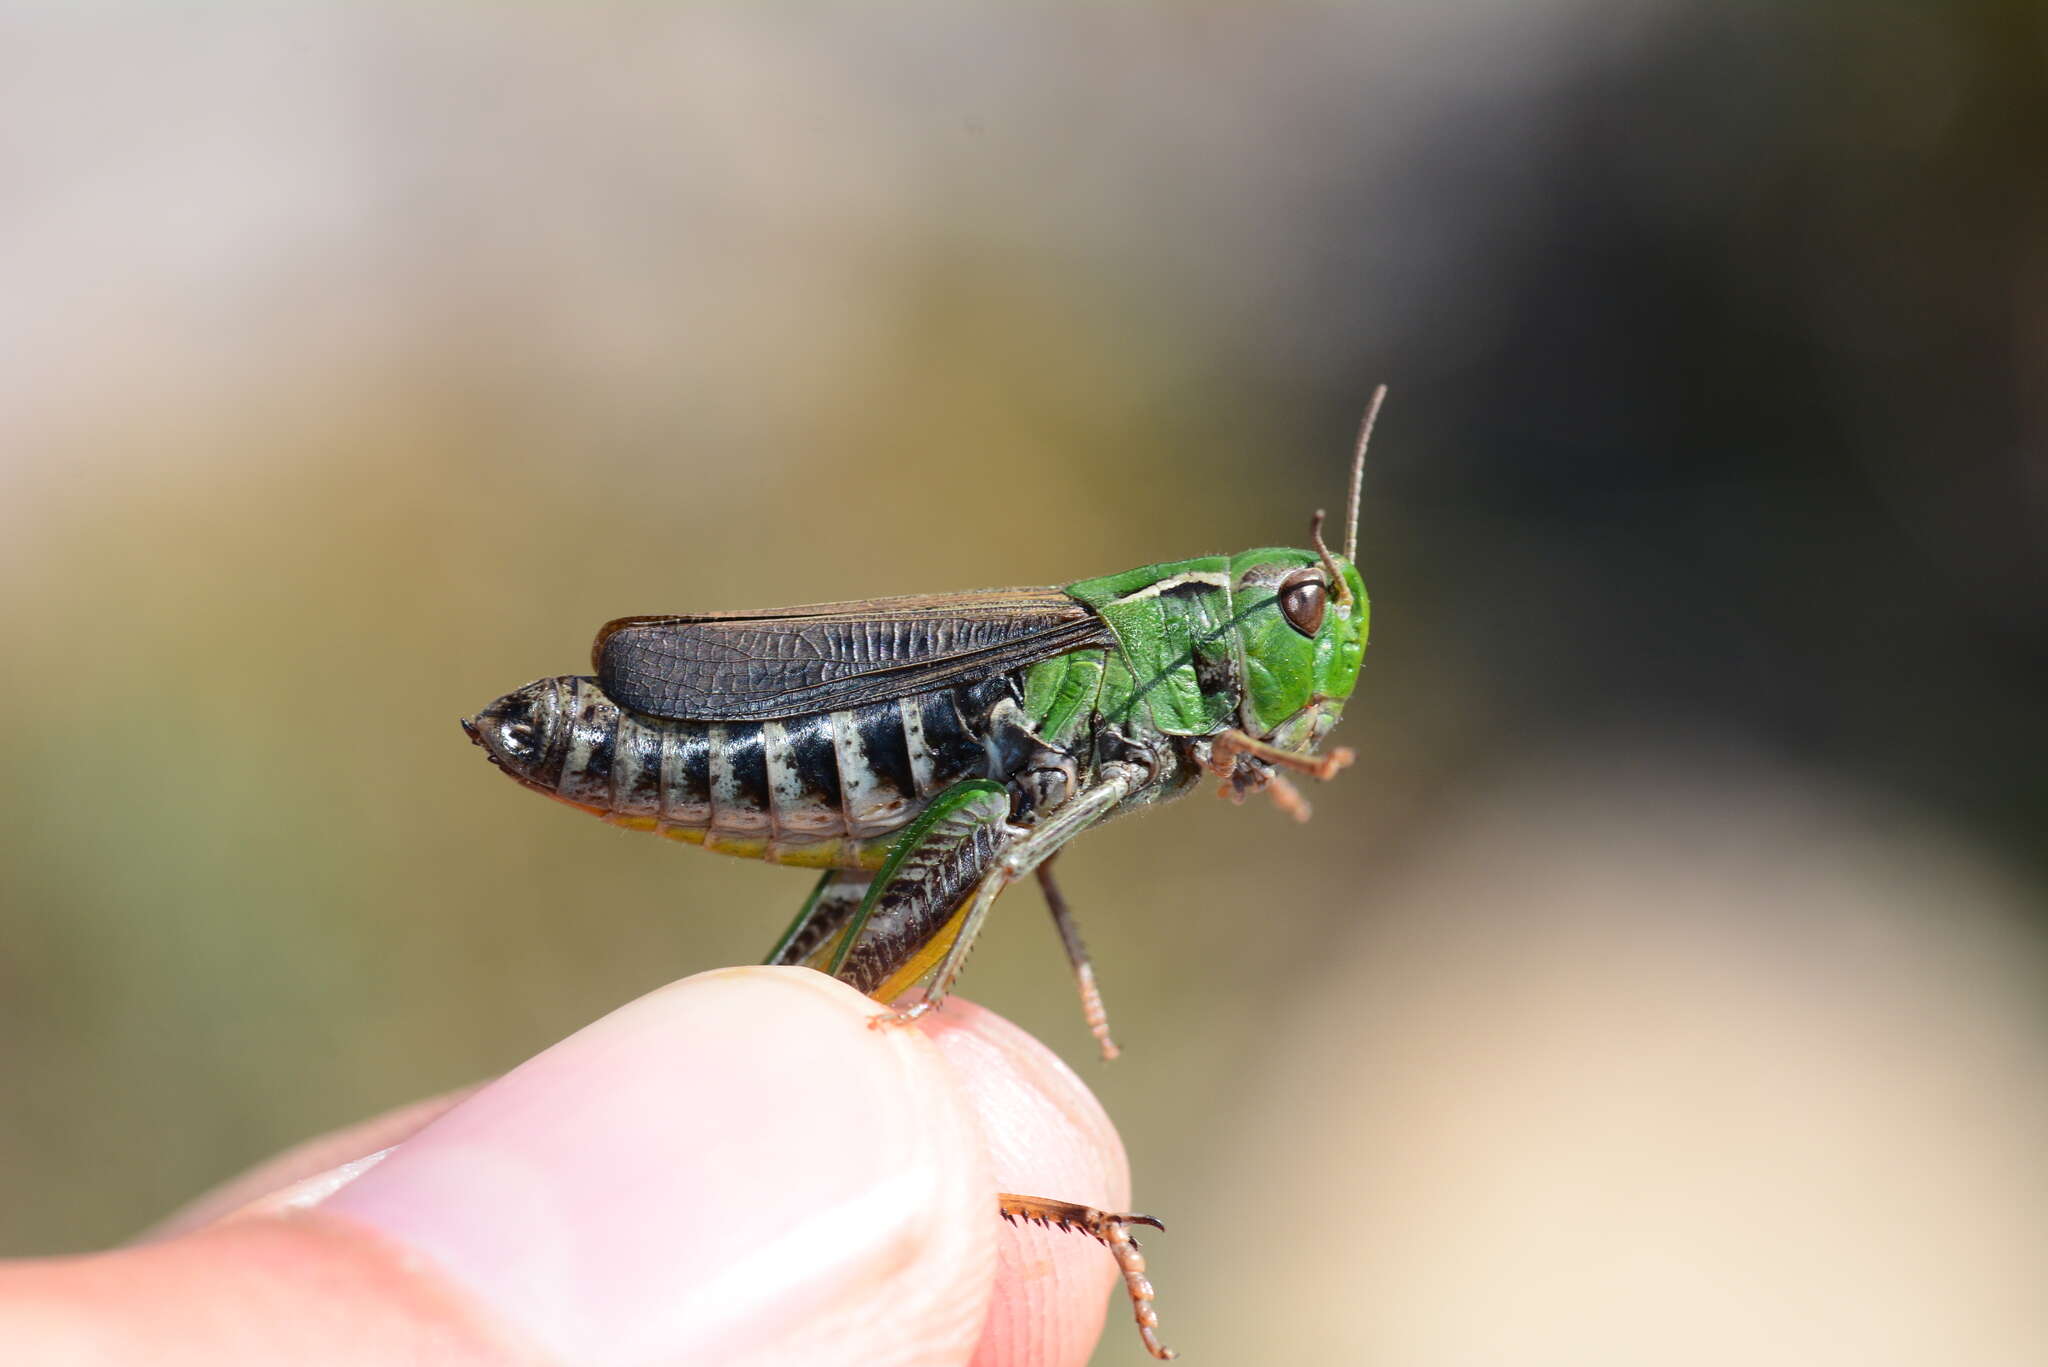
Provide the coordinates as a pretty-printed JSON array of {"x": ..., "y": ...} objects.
[{"x": 926, "y": 752}]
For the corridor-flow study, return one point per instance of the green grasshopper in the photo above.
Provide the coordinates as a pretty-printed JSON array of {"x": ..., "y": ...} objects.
[{"x": 926, "y": 752}]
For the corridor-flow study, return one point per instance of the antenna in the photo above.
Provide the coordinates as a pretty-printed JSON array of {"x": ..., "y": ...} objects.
[
  {"x": 1315, "y": 537},
  {"x": 1372, "y": 413}
]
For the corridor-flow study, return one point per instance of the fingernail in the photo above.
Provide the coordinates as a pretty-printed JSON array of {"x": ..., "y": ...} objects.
[{"x": 730, "y": 1153}]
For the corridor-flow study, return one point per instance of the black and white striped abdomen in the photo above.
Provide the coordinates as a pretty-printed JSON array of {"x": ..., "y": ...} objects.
[{"x": 816, "y": 790}]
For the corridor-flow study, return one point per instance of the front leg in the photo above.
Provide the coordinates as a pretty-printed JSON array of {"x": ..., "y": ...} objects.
[
  {"x": 1249, "y": 765},
  {"x": 1226, "y": 746}
]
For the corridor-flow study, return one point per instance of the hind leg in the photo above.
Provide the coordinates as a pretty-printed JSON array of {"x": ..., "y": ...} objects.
[{"x": 1114, "y": 1231}]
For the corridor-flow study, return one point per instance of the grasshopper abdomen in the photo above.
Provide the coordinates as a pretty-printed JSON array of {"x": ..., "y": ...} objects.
[{"x": 822, "y": 790}]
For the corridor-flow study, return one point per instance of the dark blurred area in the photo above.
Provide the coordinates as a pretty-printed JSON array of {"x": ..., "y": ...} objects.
[{"x": 1666, "y": 981}]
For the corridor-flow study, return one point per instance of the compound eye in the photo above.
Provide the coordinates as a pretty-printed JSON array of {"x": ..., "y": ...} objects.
[{"x": 1302, "y": 600}]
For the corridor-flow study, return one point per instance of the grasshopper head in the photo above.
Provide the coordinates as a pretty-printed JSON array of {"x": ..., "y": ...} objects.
[{"x": 1302, "y": 617}]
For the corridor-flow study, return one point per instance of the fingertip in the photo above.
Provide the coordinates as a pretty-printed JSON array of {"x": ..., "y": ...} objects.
[
  {"x": 736, "y": 1167},
  {"x": 730, "y": 1168}
]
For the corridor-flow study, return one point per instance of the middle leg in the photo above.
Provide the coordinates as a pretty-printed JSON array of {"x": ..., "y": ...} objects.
[{"x": 1077, "y": 955}]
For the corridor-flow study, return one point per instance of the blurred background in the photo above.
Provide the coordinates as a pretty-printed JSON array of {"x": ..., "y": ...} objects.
[{"x": 1666, "y": 983}]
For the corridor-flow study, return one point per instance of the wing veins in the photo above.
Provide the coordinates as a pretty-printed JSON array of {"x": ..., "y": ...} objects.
[{"x": 751, "y": 666}]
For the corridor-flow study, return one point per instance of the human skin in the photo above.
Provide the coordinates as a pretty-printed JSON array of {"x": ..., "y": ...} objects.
[{"x": 735, "y": 1168}]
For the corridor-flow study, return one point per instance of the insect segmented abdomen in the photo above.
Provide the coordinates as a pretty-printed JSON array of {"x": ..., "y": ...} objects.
[
  {"x": 824, "y": 790},
  {"x": 804, "y": 794},
  {"x": 682, "y": 782}
]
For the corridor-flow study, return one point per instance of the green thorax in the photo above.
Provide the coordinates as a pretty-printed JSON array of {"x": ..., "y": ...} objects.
[{"x": 1202, "y": 646}]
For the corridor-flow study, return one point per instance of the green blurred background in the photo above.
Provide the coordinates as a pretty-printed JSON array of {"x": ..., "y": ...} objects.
[{"x": 1665, "y": 983}]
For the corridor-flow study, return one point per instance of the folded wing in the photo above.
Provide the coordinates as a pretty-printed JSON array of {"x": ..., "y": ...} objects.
[{"x": 789, "y": 661}]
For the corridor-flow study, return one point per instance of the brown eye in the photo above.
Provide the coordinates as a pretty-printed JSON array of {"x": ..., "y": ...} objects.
[{"x": 1302, "y": 599}]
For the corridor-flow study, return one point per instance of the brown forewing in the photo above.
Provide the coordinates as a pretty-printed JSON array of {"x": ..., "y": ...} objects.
[{"x": 785, "y": 662}]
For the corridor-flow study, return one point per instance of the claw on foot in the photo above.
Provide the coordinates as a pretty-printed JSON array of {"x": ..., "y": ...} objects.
[
  {"x": 898, "y": 1015},
  {"x": 1114, "y": 1232}
]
